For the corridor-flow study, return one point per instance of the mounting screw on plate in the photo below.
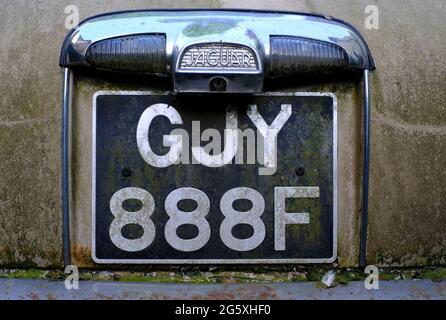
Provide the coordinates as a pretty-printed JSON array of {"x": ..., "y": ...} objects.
[
  {"x": 300, "y": 171},
  {"x": 126, "y": 172}
]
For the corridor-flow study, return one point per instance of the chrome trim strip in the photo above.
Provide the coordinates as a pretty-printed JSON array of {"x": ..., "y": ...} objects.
[
  {"x": 252, "y": 28},
  {"x": 366, "y": 171},
  {"x": 65, "y": 146}
]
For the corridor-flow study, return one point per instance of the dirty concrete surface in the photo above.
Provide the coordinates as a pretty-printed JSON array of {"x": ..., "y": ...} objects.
[
  {"x": 407, "y": 204},
  {"x": 21, "y": 289}
]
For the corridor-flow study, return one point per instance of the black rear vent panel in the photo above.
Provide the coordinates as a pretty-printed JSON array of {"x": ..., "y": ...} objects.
[
  {"x": 293, "y": 55},
  {"x": 138, "y": 53}
]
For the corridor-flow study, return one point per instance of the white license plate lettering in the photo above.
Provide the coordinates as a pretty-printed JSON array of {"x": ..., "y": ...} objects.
[{"x": 197, "y": 217}]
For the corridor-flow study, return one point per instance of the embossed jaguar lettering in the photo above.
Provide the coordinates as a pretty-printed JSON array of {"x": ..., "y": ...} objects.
[{"x": 217, "y": 56}]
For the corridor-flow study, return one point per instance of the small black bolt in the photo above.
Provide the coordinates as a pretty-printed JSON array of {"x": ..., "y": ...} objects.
[
  {"x": 126, "y": 172},
  {"x": 218, "y": 84},
  {"x": 300, "y": 171}
]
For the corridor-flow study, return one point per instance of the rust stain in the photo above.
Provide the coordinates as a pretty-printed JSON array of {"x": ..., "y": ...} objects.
[
  {"x": 241, "y": 293},
  {"x": 216, "y": 295},
  {"x": 82, "y": 256},
  {"x": 256, "y": 292},
  {"x": 33, "y": 296},
  {"x": 268, "y": 294}
]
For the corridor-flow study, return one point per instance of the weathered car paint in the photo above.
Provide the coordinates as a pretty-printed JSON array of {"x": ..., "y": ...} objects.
[{"x": 407, "y": 181}]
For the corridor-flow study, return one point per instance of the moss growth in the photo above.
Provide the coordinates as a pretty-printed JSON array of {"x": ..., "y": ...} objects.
[
  {"x": 55, "y": 275},
  {"x": 377, "y": 97},
  {"x": 142, "y": 277},
  {"x": 386, "y": 276},
  {"x": 344, "y": 276},
  {"x": 204, "y": 29},
  {"x": 316, "y": 274},
  {"x": 254, "y": 275},
  {"x": 210, "y": 277},
  {"x": 85, "y": 276},
  {"x": 433, "y": 274},
  {"x": 161, "y": 277},
  {"x": 28, "y": 274}
]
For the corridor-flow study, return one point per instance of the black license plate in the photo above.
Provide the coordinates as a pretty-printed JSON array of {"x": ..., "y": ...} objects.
[{"x": 214, "y": 179}]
